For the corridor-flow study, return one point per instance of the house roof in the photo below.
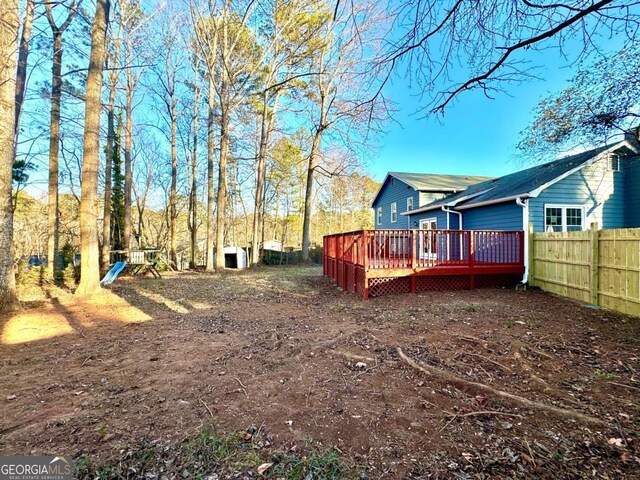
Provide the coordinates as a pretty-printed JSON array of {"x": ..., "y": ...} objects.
[
  {"x": 428, "y": 182},
  {"x": 528, "y": 182}
]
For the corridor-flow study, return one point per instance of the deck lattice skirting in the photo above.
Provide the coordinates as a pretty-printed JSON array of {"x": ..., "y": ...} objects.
[{"x": 386, "y": 262}]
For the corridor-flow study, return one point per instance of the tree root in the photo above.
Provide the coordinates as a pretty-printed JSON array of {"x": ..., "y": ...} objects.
[
  {"x": 352, "y": 356},
  {"x": 463, "y": 384},
  {"x": 497, "y": 364}
]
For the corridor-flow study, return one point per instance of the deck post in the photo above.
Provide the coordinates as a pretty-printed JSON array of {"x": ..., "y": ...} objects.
[
  {"x": 414, "y": 250},
  {"x": 472, "y": 246}
]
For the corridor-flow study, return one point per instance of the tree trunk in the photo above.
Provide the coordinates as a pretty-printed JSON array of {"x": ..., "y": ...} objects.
[
  {"x": 222, "y": 174},
  {"x": 128, "y": 176},
  {"x": 308, "y": 195},
  {"x": 193, "y": 203},
  {"x": 54, "y": 148},
  {"x": 210, "y": 160},
  {"x": 261, "y": 173},
  {"x": 106, "y": 221},
  {"x": 261, "y": 169},
  {"x": 89, "y": 253},
  {"x": 8, "y": 49},
  {"x": 173, "y": 195},
  {"x": 23, "y": 54}
]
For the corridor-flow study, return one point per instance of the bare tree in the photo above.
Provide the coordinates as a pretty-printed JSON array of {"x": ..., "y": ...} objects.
[
  {"x": 193, "y": 194},
  {"x": 8, "y": 50},
  {"x": 133, "y": 19},
  {"x": 89, "y": 251},
  {"x": 54, "y": 126},
  {"x": 432, "y": 39},
  {"x": 206, "y": 37},
  {"x": 168, "y": 73},
  {"x": 23, "y": 56},
  {"x": 111, "y": 64},
  {"x": 237, "y": 62},
  {"x": 339, "y": 94},
  {"x": 293, "y": 38}
]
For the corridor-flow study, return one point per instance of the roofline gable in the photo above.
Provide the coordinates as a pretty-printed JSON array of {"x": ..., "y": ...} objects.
[
  {"x": 537, "y": 191},
  {"x": 389, "y": 174}
]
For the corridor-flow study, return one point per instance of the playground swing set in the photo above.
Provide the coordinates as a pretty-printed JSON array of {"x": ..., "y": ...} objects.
[{"x": 139, "y": 262}]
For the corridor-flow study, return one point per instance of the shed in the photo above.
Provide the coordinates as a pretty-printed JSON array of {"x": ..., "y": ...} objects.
[{"x": 235, "y": 257}]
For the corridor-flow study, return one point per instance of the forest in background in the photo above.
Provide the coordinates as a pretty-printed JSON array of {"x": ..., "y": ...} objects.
[
  {"x": 141, "y": 123},
  {"x": 173, "y": 73}
]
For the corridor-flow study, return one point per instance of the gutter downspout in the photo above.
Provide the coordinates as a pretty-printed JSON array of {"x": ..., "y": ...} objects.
[
  {"x": 524, "y": 203},
  {"x": 446, "y": 209}
]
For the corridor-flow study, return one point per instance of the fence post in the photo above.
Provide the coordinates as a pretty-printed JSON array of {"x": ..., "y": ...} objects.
[
  {"x": 531, "y": 249},
  {"x": 595, "y": 279}
]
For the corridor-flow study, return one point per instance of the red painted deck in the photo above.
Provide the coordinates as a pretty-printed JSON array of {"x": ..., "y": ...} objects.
[{"x": 383, "y": 262}]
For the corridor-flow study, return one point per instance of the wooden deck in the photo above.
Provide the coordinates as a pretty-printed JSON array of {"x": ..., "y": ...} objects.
[{"x": 383, "y": 262}]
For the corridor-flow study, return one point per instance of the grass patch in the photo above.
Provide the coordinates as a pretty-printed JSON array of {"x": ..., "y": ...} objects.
[
  {"x": 605, "y": 375},
  {"x": 214, "y": 455}
]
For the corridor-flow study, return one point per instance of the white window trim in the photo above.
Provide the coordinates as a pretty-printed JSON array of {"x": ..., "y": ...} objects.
[
  {"x": 409, "y": 200},
  {"x": 394, "y": 211},
  {"x": 379, "y": 216},
  {"x": 564, "y": 207}
]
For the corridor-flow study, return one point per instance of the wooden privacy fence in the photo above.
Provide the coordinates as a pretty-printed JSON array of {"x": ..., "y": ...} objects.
[
  {"x": 601, "y": 267},
  {"x": 379, "y": 262}
]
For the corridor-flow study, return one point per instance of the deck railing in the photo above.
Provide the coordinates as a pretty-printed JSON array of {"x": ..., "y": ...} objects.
[
  {"x": 376, "y": 262},
  {"x": 418, "y": 249}
]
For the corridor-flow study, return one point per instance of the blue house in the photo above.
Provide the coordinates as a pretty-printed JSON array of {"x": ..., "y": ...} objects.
[
  {"x": 405, "y": 192},
  {"x": 600, "y": 185}
]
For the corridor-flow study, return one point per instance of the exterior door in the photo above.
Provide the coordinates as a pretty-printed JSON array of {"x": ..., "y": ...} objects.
[{"x": 428, "y": 241}]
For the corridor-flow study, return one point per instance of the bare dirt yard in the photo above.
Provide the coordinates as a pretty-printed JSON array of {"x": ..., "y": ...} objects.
[{"x": 277, "y": 373}]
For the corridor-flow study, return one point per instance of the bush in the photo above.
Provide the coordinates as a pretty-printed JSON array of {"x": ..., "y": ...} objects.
[
  {"x": 27, "y": 276},
  {"x": 291, "y": 258},
  {"x": 67, "y": 252},
  {"x": 69, "y": 277}
]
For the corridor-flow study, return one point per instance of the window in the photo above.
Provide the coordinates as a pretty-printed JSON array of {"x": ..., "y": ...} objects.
[
  {"x": 379, "y": 220},
  {"x": 409, "y": 204},
  {"x": 394, "y": 213},
  {"x": 564, "y": 218},
  {"x": 614, "y": 162}
]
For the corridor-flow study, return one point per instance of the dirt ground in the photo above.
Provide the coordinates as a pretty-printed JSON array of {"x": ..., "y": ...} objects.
[{"x": 287, "y": 351}]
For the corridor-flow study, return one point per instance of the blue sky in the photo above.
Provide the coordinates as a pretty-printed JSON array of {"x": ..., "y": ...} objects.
[{"x": 477, "y": 136}]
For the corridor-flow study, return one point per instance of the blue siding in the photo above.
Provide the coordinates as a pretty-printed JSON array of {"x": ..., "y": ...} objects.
[
  {"x": 600, "y": 190},
  {"x": 631, "y": 169},
  {"x": 500, "y": 216},
  {"x": 398, "y": 192},
  {"x": 439, "y": 215}
]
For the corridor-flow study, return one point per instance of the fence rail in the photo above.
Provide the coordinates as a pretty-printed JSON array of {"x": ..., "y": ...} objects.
[
  {"x": 355, "y": 257},
  {"x": 601, "y": 267}
]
